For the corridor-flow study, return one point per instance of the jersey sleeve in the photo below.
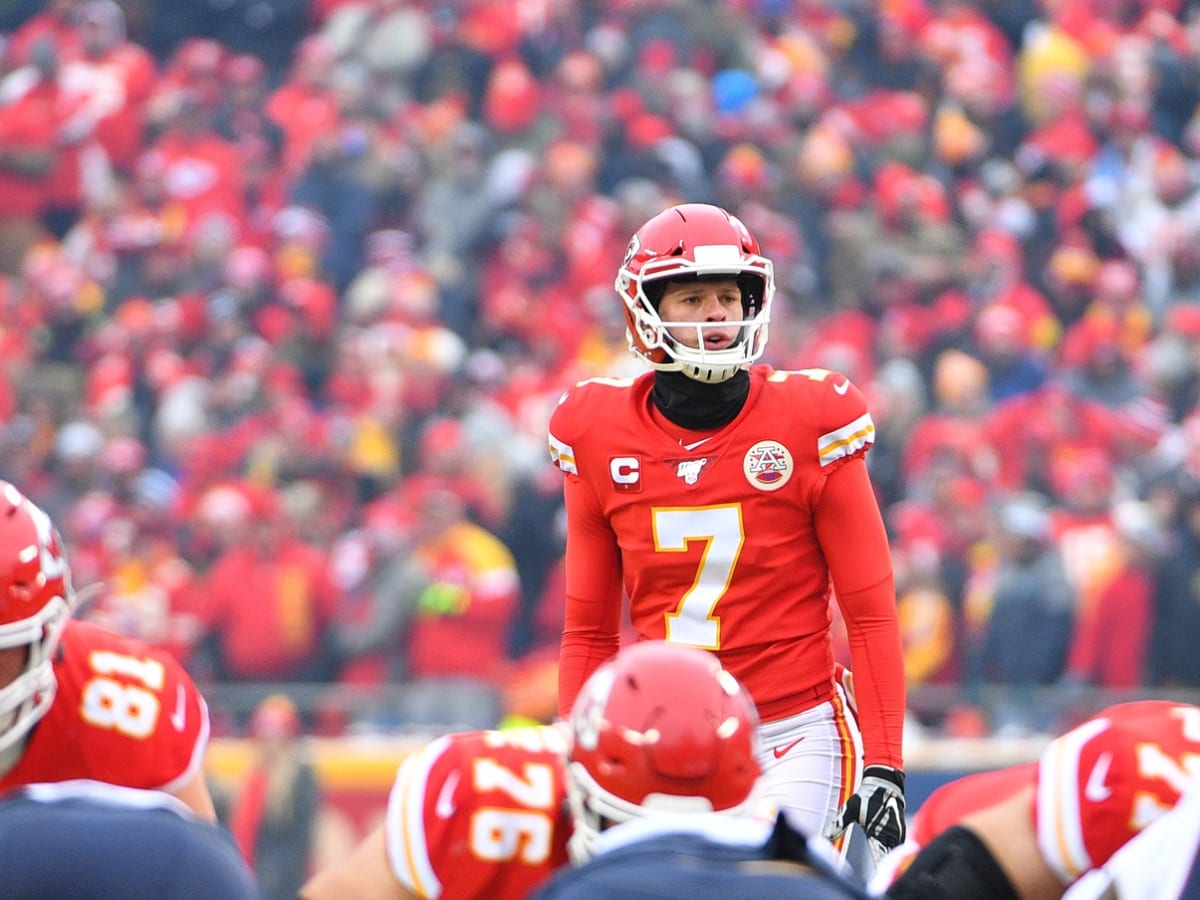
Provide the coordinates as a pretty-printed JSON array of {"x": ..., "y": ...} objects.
[
  {"x": 408, "y": 850},
  {"x": 479, "y": 814},
  {"x": 142, "y": 718},
  {"x": 564, "y": 432},
  {"x": 845, "y": 429},
  {"x": 592, "y": 614},
  {"x": 1104, "y": 781},
  {"x": 184, "y": 735},
  {"x": 859, "y": 568},
  {"x": 1160, "y": 861}
]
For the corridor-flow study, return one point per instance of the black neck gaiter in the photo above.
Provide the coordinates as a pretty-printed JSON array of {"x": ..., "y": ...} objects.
[{"x": 695, "y": 405}]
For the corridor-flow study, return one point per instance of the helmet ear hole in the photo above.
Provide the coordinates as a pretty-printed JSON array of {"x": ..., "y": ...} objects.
[{"x": 752, "y": 294}]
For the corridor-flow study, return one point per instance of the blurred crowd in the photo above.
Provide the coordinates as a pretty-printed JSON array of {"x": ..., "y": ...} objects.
[{"x": 289, "y": 288}]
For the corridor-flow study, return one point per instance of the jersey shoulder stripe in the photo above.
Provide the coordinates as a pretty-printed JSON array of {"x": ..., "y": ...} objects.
[
  {"x": 846, "y": 441},
  {"x": 589, "y": 407},
  {"x": 562, "y": 455},
  {"x": 407, "y": 849},
  {"x": 1059, "y": 815}
]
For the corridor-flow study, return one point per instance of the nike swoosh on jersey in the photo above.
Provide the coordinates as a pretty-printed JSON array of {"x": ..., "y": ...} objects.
[
  {"x": 445, "y": 805},
  {"x": 1096, "y": 790},
  {"x": 179, "y": 716},
  {"x": 781, "y": 752},
  {"x": 695, "y": 444},
  {"x": 843, "y": 387}
]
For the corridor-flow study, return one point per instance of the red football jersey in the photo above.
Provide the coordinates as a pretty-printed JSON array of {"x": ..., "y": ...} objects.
[
  {"x": 480, "y": 814},
  {"x": 717, "y": 541},
  {"x": 126, "y": 713},
  {"x": 1104, "y": 781},
  {"x": 953, "y": 802},
  {"x": 1098, "y": 785}
]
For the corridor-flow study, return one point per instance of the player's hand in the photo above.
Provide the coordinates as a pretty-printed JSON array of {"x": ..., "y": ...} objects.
[{"x": 878, "y": 806}]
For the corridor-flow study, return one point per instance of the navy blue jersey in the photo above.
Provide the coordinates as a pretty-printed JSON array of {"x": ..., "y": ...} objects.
[
  {"x": 85, "y": 840},
  {"x": 671, "y": 865}
]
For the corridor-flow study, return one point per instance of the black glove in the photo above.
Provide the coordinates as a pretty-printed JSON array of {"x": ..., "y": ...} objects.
[{"x": 878, "y": 806}]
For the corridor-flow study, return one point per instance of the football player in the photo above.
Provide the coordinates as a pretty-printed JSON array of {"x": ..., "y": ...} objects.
[
  {"x": 731, "y": 501},
  {"x": 670, "y": 807},
  {"x": 90, "y": 839},
  {"x": 486, "y": 813},
  {"x": 77, "y": 701},
  {"x": 1033, "y": 830}
]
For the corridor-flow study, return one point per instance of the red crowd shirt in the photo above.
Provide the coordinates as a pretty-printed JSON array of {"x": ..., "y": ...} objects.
[
  {"x": 30, "y": 122},
  {"x": 270, "y": 610},
  {"x": 480, "y": 814},
  {"x": 304, "y": 113},
  {"x": 465, "y": 631},
  {"x": 203, "y": 173},
  {"x": 114, "y": 89},
  {"x": 733, "y": 542},
  {"x": 125, "y": 713}
]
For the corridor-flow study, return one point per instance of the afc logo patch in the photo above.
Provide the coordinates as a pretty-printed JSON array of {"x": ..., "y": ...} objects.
[
  {"x": 768, "y": 465},
  {"x": 626, "y": 473}
]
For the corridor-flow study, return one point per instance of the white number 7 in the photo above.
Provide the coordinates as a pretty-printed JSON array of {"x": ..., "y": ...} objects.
[{"x": 720, "y": 527}]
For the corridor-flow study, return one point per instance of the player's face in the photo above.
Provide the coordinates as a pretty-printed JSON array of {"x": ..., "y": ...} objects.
[
  {"x": 706, "y": 301},
  {"x": 12, "y": 664}
]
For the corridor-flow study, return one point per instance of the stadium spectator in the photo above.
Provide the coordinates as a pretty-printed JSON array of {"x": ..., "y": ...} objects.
[
  {"x": 200, "y": 170},
  {"x": 273, "y": 818},
  {"x": 30, "y": 126},
  {"x": 269, "y": 600},
  {"x": 1029, "y": 594},
  {"x": 113, "y": 76},
  {"x": 457, "y": 643},
  {"x": 55, "y": 20},
  {"x": 1175, "y": 615},
  {"x": 1111, "y": 637},
  {"x": 381, "y": 581}
]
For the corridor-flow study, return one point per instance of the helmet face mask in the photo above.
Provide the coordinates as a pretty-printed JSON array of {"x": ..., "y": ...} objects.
[
  {"x": 36, "y": 599},
  {"x": 694, "y": 240},
  {"x": 661, "y": 729}
]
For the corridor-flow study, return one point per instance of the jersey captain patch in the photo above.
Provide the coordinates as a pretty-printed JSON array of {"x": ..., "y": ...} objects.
[
  {"x": 768, "y": 465},
  {"x": 626, "y": 473}
]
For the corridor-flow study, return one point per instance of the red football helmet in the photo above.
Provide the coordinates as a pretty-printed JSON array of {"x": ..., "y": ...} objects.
[
  {"x": 692, "y": 240},
  {"x": 659, "y": 728},
  {"x": 35, "y": 602}
]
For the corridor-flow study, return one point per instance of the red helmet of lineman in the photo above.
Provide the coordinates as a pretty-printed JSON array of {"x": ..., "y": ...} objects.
[
  {"x": 694, "y": 240},
  {"x": 35, "y": 603},
  {"x": 660, "y": 728}
]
